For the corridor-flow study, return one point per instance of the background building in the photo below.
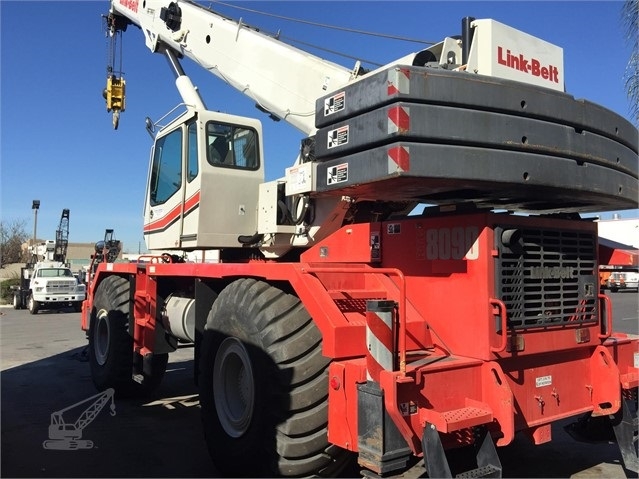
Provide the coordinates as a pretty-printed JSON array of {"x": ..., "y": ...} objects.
[{"x": 620, "y": 230}]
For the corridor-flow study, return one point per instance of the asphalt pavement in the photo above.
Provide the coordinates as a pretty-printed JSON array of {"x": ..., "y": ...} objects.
[{"x": 44, "y": 372}]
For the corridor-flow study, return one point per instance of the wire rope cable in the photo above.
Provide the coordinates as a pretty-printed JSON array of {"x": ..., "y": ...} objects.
[{"x": 322, "y": 25}]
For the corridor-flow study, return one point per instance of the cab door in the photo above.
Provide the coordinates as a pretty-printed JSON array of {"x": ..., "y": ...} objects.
[
  {"x": 191, "y": 188},
  {"x": 172, "y": 191}
]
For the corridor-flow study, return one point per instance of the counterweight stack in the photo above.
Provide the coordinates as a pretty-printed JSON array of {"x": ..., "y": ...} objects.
[{"x": 432, "y": 136}]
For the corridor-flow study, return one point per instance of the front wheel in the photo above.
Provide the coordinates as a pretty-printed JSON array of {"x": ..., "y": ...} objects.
[
  {"x": 264, "y": 386},
  {"x": 111, "y": 346},
  {"x": 33, "y": 305}
]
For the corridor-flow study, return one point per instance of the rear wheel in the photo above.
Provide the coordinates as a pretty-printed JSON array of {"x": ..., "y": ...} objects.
[
  {"x": 111, "y": 346},
  {"x": 33, "y": 305},
  {"x": 264, "y": 385},
  {"x": 17, "y": 301}
]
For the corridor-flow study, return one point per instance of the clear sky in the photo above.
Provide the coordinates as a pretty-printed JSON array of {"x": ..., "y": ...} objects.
[{"x": 57, "y": 143}]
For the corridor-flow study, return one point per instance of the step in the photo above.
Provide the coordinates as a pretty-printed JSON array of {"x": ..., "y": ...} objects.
[
  {"x": 456, "y": 419},
  {"x": 486, "y": 471}
]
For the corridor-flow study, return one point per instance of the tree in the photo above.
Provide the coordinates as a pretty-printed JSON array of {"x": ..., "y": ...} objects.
[
  {"x": 12, "y": 236},
  {"x": 630, "y": 18}
]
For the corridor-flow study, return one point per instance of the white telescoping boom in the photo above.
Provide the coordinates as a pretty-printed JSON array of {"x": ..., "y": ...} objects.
[{"x": 282, "y": 79}]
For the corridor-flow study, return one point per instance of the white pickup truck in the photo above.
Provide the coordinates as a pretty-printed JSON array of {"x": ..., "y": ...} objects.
[
  {"x": 51, "y": 285},
  {"x": 623, "y": 280}
]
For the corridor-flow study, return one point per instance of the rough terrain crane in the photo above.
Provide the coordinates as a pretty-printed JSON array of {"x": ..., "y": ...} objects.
[
  {"x": 323, "y": 332},
  {"x": 106, "y": 251}
]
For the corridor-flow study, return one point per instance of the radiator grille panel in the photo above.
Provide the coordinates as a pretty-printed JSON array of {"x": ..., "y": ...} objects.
[
  {"x": 546, "y": 277},
  {"x": 60, "y": 287}
]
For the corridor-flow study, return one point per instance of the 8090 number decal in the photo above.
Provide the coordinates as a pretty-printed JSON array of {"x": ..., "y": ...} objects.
[{"x": 452, "y": 243}]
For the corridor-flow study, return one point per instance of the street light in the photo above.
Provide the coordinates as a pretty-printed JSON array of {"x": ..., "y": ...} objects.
[{"x": 35, "y": 206}]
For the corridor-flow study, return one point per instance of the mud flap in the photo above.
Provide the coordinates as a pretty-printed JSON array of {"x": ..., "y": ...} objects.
[
  {"x": 592, "y": 429},
  {"x": 624, "y": 424},
  {"x": 382, "y": 448},
  {"x": 436, "y": 462}
]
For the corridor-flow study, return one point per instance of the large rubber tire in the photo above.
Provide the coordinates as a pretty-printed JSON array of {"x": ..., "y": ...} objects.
[
  {"x": 111, "y": 346},
  {"x": 264, "y": 386},
  {"x": 33, "y": 305}
]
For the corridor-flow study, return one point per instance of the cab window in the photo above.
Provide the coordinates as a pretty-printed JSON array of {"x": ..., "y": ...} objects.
[
  {"x": 232, "y": 146},
  {"x": 191, "y": 163},
  {"x": 166, "y": 170}
]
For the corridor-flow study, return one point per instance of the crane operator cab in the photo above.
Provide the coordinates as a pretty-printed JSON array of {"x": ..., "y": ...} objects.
[{"x": 204, "y": 177}]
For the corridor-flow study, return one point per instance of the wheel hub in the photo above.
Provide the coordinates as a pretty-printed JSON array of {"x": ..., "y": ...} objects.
[
  {"x": 101, "y": 337},
  {"x": 233, "y": 387}
]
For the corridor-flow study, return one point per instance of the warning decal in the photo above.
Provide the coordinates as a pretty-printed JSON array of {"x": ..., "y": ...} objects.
[
  {"x": 543, "y": 381},
  {"x": 408, "y": 408},
  {"x": 376, "y": 252},
  {"x": 337, "y": 174},
  {"x": 337, "y": 137},
  {"x": 394, "y": 228},
  {"x": 334, "y": 104}
]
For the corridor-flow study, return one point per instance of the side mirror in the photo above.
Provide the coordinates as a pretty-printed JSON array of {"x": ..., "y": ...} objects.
[{"x": 150, "y": 127}]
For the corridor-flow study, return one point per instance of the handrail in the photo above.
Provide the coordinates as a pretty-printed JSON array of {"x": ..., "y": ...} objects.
[
  {"x": 504, "y": 325},
  {"x": 608, "y": 311},
  {"x": 149, "y": 258}
]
